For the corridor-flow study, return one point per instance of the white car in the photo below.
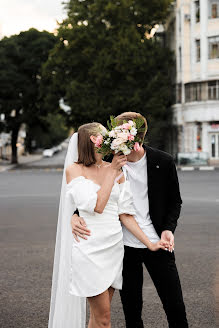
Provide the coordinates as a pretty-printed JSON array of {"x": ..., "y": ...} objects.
[{"x": 48, "y": 152}]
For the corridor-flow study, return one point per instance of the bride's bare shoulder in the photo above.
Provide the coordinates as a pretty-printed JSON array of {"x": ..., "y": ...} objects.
[{"x": 73, "y": 171}]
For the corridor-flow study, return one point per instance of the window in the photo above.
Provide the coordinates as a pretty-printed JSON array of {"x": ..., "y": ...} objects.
[
  {"x": 197, "y": 11},
  {"x": 179, "y": 13},
  {"x": 199, "y": 136},
  {"x": 213, "y": 90},
  {"x": 213, "y": 139},
  {"x": 213, "y": 47},
  {"x": 193, "y": 92},
  {"x": 213, "y": 9},
  {"x": 178, "y": 93},
  {"x": 180, "y": 59},
  {"x": 198, "y": 51}
]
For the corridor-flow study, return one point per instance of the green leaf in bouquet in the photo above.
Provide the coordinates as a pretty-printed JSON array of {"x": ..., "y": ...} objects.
[
  {"x": 109, "y": 125},
  {"x": 113, "y": 121}
]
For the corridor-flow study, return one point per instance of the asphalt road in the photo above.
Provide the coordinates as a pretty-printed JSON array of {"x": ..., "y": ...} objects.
[{"x": 28, "y": 216}]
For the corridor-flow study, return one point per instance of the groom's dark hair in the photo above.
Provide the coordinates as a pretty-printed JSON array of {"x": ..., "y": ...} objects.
[{"x": 126, "y": 116}]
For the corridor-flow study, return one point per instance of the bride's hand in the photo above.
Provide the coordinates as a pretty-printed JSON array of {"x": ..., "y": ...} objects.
[
  {"x": 119, "y": 160},
  {"x": 161, "y": 244}
]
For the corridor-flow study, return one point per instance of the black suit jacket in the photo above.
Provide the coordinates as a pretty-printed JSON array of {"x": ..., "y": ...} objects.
[{"x": 163, "y": 190}]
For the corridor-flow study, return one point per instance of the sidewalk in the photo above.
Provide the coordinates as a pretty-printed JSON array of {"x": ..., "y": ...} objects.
[{"x": 6, "y": 165}]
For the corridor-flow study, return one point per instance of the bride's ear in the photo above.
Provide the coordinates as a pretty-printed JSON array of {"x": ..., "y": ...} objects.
[{"x": 93, "y": 139}]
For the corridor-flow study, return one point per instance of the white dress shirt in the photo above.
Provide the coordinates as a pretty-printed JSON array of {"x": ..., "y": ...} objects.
[{"x": 137, "y": 175}]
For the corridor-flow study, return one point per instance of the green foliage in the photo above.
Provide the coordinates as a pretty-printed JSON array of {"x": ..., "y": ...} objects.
[
  {"x": 21, "y": 58},
  {"x": 51, "y": 132},
  {"x": 103, "y": 64}
]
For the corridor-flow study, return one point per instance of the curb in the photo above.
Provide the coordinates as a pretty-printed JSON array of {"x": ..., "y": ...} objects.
[
  {"x": 6, "y": 168},
  {"x": 11, "y": 167},
  {"x": 199, "y": 168}
]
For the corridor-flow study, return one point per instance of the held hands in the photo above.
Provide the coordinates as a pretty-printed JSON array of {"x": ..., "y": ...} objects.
[
  {"x": 168, "y": 236},
  {"x": 161, "y": 244},
  {"x": 166, "y": 242}
]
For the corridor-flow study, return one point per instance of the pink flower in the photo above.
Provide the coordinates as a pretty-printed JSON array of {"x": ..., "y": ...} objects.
[
  {"x": 136, "y": 146},
  {"x": 99, "y": 141},
  {"x": 126, "y": 126},
  {"x": 131, "y": 137}
]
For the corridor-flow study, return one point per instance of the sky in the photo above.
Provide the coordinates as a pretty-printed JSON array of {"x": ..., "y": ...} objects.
[{"x": 20, "y": 15}]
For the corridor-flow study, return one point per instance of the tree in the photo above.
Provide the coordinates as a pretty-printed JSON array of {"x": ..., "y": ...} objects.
[
  {"x": 104, "y": 63},
  {"x": 21, "y": 58},
  {"x": 51, "y": 132}
]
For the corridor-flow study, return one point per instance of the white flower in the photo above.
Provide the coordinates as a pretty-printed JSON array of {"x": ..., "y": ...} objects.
[
  {"x": 118, "y": 127},
  {"x": 123, "y": 148},
  {"x": 131, "y": 123},
  {"x": 133, "y": 131},
  {"x": 116, "y": 143},
  {"x": 104, "y": 132},
  {"x": 107, "y": 141},
  {"x": 123, "y": 136},
  {"x": 112, "y": 134}
]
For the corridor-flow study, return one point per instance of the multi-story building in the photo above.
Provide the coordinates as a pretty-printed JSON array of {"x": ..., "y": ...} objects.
[{"x": 193, "y": 33}]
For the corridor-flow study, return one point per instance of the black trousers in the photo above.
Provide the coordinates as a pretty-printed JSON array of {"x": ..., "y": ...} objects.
[{"x": 162, "y": 269}]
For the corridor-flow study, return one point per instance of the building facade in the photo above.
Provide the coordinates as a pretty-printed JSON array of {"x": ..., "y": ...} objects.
[{"x": 193, "y": 33}]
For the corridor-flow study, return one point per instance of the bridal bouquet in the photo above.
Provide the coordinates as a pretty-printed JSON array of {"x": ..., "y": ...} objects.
[{"x": 120, "y": 138}]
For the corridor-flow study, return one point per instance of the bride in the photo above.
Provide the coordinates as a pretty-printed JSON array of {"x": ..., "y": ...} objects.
[{"x": 91, "y": 269}]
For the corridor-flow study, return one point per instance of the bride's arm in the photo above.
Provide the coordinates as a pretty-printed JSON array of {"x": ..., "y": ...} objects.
[
  {"x": 104, "y": 192},
  {"x": 108, "y": 182},
  {"x": 130, "y": 223}
]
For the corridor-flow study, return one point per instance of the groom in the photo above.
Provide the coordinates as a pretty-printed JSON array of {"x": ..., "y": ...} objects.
[{"x": 157, "y": 201}]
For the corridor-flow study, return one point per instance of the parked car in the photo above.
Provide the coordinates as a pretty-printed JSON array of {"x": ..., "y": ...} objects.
[
  {"x": 193, "y": 158},
  {"x": 48, "y": 152}
]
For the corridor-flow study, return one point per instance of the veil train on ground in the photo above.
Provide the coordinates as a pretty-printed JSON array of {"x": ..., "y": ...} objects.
[{"x": 66, "y": 310}]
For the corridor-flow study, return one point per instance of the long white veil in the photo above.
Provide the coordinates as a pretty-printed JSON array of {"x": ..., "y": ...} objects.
[{"x": 66, "y": 310}]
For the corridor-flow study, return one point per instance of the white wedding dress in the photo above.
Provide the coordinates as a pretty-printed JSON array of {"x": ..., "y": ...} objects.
[{"x": 96, "y": 263}]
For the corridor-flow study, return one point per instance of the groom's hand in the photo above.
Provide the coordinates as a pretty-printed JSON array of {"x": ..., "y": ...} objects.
[
  {"x": 79, "y": 227},
  {"x": 168, "y": 236}
]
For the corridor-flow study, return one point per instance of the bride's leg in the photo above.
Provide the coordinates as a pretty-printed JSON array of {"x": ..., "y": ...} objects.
[
  {"x": 100, "y": 310},
  {"x": 111, "y": 292},
  {"x": 91, "y": 320}
]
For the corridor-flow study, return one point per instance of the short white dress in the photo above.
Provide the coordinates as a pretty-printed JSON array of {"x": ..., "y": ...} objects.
[{"x": 96, "y": 263}]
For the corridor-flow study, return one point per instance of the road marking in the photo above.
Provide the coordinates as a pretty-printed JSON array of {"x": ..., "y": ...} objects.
[
  {"x": 187, "y": 168},
  {"x": 206, "y": 168}
]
